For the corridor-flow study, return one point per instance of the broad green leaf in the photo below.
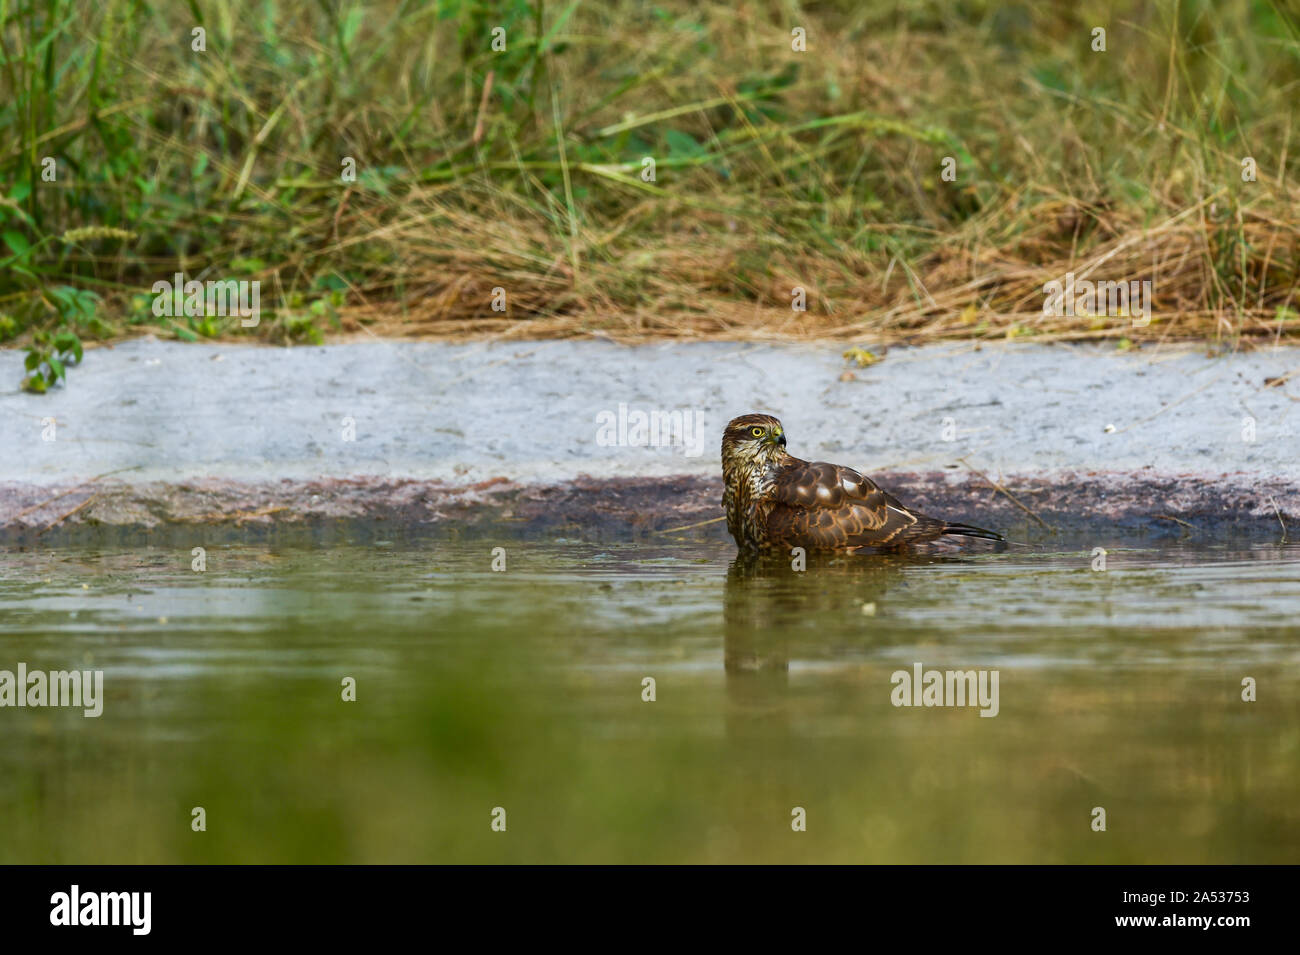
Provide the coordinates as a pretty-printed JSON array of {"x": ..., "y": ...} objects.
[
  {"x": 17, "y": 242},
  {"x": 682, "y": 144}
]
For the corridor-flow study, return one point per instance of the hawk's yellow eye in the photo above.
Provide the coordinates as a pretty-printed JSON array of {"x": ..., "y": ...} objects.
[{"x": 756, "y": 432}]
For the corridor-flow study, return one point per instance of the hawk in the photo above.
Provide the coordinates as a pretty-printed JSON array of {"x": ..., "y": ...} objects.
[{"x": 775, "y": 500}]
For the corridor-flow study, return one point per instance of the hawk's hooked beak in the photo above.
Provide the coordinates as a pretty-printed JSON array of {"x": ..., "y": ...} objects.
[{"x": 778, "y": 438}]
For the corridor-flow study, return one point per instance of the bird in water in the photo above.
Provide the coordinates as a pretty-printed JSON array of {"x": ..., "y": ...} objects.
[{"x": 775, "y": 500}]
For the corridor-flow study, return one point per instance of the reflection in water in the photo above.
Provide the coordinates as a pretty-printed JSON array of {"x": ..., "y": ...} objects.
[
  {"x": 769, "y": 605},
  {"x": 771, "y": 609},
  {"x": 756, "y": 638}
]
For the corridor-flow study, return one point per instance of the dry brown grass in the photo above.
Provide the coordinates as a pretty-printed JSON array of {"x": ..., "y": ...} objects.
[{"x": 775, "y": 169}]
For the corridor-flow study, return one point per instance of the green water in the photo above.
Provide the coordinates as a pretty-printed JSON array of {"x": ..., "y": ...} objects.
[{"x": 523, "y": 690}]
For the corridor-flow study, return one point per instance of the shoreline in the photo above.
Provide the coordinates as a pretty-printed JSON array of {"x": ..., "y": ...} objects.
[
  {"x": 1079, "y": 438},
  {"x": 1096, "y": 503}
]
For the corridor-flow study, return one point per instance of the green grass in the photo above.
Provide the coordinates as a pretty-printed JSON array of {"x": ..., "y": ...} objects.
[{"x": 774, "y": 169}]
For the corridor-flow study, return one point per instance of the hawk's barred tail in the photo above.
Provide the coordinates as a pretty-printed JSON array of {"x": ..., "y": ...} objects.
[{"x": 966, "y": 530}]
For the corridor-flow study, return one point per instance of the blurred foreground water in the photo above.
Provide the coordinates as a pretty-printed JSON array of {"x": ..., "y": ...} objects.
[{"x": 523, "y": 689}]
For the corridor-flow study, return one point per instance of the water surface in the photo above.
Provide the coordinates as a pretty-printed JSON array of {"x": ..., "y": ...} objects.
[{"x": 523, "y": 689}]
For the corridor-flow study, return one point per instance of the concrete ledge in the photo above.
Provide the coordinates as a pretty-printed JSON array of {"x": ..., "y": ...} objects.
[{"x": 150, "y": 434}]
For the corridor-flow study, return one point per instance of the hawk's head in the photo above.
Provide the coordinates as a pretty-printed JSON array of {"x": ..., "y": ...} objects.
[{"x": 752, "y": 439}]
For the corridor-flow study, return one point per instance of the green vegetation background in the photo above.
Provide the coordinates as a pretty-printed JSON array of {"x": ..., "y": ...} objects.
[{"x": 522, "y": 169}]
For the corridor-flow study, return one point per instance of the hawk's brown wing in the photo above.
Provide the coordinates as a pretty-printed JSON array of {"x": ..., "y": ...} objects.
[{"x": 828, "y": 507}]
